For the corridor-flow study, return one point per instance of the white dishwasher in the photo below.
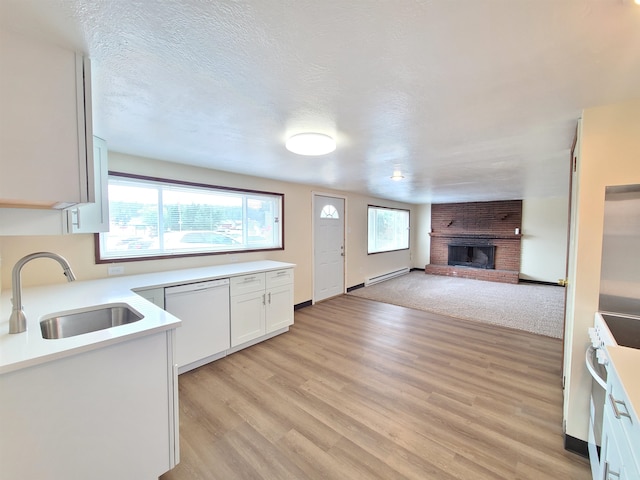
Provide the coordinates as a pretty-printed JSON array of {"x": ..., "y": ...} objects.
[{"x": 204, "y": 334}]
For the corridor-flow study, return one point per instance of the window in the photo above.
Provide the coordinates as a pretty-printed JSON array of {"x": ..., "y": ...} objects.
[
  {"x": 388, "y": 229},
  {"x": 329, "y": 211},
  {"x": 161, "y": 218}
]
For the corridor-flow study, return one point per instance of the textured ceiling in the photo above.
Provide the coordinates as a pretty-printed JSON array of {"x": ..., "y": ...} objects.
[{"x": 471, "y": 100}]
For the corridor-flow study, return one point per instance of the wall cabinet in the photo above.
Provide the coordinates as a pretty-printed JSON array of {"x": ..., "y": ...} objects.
[
  {"x": 104, "y": 414},
  {"x": 45, "y": 127},
  {"x": 93, "y": 217},
  {"x": 85, "y": 218},
  {"x": 261, "y": 303},
  {"x": 620, "y": 434}
]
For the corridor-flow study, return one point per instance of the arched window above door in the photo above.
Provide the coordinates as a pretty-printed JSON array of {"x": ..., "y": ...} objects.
[{"x": 329, "y": 211}]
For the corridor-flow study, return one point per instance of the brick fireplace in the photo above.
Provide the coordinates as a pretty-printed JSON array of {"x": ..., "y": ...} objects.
[{"x": 476, "y": 240}]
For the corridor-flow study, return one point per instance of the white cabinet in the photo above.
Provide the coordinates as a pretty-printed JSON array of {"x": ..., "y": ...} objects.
[
  {"x": 85, "y": 218},
  {"x": 279, "y": 300},
  {"x": 248, "y": 300},
  {"x": 261, "y": 303},
  {"x": 620, "y": 434},
  {"x": 103, "y": 414},
  {"x": 93, "y": 217},
  {"x": 45, "y": 126}
]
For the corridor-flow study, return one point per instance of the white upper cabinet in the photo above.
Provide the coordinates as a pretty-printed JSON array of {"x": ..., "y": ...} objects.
[
  {"x": 85, "y": 218},
  {"x": 93, "y": 217},
  {"x": 45, "y": 125}
]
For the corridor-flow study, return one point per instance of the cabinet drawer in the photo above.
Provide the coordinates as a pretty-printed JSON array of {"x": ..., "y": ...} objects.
[
  {"x": 628, "y": 422},
  {"x": 279, "y": 277},
  {"x": 254, "y": 282}
]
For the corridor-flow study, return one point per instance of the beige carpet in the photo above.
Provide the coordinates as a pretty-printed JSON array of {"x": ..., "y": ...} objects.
[{"x": 533, "y": 308}]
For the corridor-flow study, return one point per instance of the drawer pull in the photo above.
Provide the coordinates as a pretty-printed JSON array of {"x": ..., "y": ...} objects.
[
  {"x": 608, "y": 473},
  {"x": 616, "y": 410},
  {"x": 249, "y": 279}
]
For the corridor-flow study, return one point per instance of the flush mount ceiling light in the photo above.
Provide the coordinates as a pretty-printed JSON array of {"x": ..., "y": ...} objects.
[
  {"x": 311, "y": 144},
  {"x": 397, "y": 175}
]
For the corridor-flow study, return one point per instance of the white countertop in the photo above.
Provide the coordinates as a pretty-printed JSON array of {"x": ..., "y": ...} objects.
[
  {"x": 626, "y": 362},
  {"x": 28, "y": 348}
]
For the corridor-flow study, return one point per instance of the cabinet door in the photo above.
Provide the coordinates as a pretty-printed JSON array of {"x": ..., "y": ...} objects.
[
  {"x": 618, "y": 458},
  {"x": 44, "y": 138},
  {"x": 611, "y": 458},
  {"x": 247, "y": 317},
  {"x": 279, "y": 309},
  {"x": 103, "y": 414},
  {"x": 87, "y": 218},
  {"x": 93, "y": 217},
  {"x": 31, "y": 221}
]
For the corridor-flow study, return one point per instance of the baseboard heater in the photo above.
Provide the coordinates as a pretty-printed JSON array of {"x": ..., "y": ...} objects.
[{"x": 385, "y": 276}]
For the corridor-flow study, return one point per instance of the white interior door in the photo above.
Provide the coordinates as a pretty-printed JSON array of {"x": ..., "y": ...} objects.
[{"x": 328, "y": 252}]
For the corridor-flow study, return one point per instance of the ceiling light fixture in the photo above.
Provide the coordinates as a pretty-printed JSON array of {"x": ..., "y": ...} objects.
[
  {"x": 311, "y": 144},
  {"x": 397, "y": 175}
]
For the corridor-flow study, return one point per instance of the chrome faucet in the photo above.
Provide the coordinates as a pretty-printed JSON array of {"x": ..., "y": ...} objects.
[{"x": 18, "y": 321}]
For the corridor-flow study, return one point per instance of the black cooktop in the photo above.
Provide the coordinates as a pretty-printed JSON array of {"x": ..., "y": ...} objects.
[{"x": 625, "y": 330}]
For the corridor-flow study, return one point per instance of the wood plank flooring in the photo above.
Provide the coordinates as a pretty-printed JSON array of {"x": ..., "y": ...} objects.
[{"x": 364, "y": 390}]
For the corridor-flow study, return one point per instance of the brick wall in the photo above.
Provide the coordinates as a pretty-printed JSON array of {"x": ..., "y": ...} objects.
[{"x": 477, "y": 223}]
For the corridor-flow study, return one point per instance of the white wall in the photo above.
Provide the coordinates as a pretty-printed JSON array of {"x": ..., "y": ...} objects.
[
  {"x": 609, "y": 155},
  {"x": 544, "y": 242},
  {"x": 421, "y": 228},
  {"x": 79, "y": 249}
]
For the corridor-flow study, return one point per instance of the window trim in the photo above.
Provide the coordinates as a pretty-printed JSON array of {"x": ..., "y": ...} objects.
[
  {"x": 369, "y": 206},
  {"x": 96, "y": 237}
]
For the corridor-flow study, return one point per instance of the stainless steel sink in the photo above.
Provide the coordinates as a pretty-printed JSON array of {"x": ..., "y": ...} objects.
[{"x": 70, "y": 324}]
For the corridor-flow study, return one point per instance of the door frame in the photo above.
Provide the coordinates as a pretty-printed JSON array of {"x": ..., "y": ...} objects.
[{"x": 314, "y": 194}]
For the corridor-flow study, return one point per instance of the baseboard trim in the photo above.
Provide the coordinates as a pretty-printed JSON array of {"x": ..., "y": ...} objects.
[
  {"x": 539, "y": 282},
  {"x": 298, "y": 306},
  {"x": 355, "y": 287},
  {"x": 575, "y": 445}
]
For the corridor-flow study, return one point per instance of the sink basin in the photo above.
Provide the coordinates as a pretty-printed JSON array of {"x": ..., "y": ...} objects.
[{"x": 70, "y": 324}]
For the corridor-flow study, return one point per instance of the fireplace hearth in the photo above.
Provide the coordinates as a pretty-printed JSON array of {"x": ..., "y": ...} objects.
[{"x": 475, "y": 256}]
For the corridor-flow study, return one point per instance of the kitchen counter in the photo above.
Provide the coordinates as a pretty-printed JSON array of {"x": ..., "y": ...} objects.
[
  {"x": 626, "y": 362},
  {"x": 28, "y": 348}
]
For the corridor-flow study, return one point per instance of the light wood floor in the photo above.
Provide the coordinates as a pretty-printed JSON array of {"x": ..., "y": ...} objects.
[{"x": 364, "y": 390}]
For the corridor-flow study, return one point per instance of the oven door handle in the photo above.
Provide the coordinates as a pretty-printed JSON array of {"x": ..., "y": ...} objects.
[{"x": 590, "y": 360}]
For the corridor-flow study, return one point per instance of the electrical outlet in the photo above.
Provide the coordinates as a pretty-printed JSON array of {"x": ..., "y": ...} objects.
[{"x": 115, "y": 270}]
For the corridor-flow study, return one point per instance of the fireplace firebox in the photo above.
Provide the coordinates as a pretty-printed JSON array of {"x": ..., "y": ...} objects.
[{"x": 476, "y": 256}]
